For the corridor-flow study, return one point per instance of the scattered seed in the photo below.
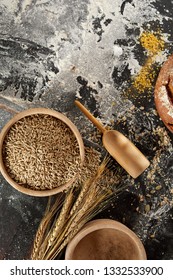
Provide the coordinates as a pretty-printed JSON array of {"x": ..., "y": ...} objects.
[
  {"x": 152, "y": 191},
  {"x": 147, "y": 208},
  {"x": 158, "y": 187}
]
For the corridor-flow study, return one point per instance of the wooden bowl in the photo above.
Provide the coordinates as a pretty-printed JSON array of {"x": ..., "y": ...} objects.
[
  {"x": 37, "y": 111},
  {"x": 163, "y": 93},
  {"x": 105, "y": 239}
]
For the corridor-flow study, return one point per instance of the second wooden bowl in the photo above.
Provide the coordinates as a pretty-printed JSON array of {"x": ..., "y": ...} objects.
[{"x": 105, "y": 239}]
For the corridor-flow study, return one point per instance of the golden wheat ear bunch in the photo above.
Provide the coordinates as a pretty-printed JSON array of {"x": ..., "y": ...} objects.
[
  {"x": 69, "y": 214},
  {"x": 43, "y": 229}
]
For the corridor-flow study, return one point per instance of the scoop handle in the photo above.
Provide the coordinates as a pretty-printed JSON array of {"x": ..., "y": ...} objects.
[{"x": 90, "y": 116}]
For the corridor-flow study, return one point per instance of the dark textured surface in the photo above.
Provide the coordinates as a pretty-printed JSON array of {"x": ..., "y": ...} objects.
[{"x": 52, "y": 52}]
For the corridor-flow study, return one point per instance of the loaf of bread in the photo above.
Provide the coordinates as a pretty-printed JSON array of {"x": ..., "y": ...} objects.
[{"x": 163, "y": 93}]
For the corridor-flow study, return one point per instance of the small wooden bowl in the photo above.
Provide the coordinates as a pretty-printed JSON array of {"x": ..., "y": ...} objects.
[
  {"x": 36, "y": 111},
  {"x": 105, "y": 239}
]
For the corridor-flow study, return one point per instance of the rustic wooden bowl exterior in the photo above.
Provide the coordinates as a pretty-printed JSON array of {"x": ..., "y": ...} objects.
[
  {"x": 163, "y": 93},
  {"x": 105, "y": 239},
  {"x": 29, "y": 112}
]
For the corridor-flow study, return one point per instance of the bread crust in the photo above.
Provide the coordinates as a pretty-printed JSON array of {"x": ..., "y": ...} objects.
[{"x": 163, "y": 93}]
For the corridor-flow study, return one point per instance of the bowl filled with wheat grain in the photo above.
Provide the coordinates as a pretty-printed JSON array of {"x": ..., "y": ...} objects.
[{"x": 41, "y": 152}]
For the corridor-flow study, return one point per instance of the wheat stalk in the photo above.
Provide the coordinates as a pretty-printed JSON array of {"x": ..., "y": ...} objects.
[
  {"x": 91, "y": 197},
  {"x": 58, "y": 250},
  {"x": 87, "y": 185},
  {"x": 41, "y": 232},
  {"x": 56, "y": 228},
  {"x": 81, "y": 219},
  {"x": 80, "y": 216}
]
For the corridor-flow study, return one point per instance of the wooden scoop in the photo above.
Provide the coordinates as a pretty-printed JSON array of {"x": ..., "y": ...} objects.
[{"x": 119, "y": 147}]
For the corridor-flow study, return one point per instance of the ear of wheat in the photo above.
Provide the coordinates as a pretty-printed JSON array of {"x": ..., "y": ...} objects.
[{"x": 81, "y": 203}]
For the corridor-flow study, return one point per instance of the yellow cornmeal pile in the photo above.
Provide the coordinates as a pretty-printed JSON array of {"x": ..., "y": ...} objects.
[
  {"x": 41, "y": 152},
  {"x": 153, "y": 44}
]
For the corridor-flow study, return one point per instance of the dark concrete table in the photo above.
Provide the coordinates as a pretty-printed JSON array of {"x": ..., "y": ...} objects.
[{"x": 52, "y": 52}]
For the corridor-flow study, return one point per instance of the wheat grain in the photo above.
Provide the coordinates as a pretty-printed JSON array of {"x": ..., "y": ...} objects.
[{"x": 41, "y": 152}]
